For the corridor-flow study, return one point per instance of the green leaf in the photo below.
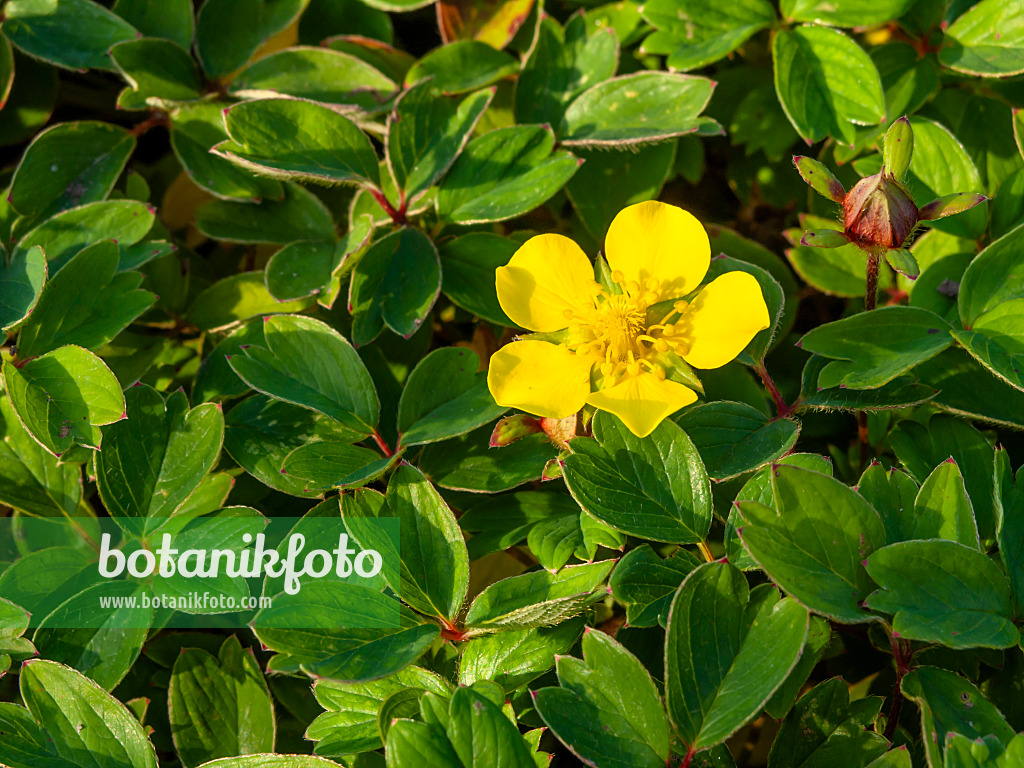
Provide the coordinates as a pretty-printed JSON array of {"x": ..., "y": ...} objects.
[
  {"x": 84, "y": 724},
  {"x": 222, "y": 45},
  {"x": 921, "y": 448},
  {"x": 411, "y": 743},
  {"x": 317, "y": 74},
  {"x": 994, "y": 277},
  {"x": 150, "y": 463},
  {"x": 820, "y": 179},
  {"x": 395, "y": 283},
  {"x": 724, "y": 654},
  {"x": 102, "y": 643},
  {"x": 538, "y": 598},
  {"x": 825, "y": 726},
  {"x": 325, "y": 465},
  {"x": 295, "y": 139},
  {"x": 462, "y": 66},
  {"x": 349, "y": 725},
  {"x": 467, "y": 463},
  {"x": 826, "y": 82},
  {"x": 434, "y": 565},
  {"x": 308, "y": 363},
  {"x": 898, "y": 393},
  {"x": 63, "y": 397},
  {"x": 850, "y": 13},
  {"x": 304, "y": 269},
  {"x": 987, "y": 40},
  {"x": 637, "y": 108},
  {"x": 195, "y": 129},
  {"x": 354, "y": 634},
  {"x": 835, "y": 271},
  {"x": 69, "y": 165},
  {"x": 158, "y": 72},
  {"x": 814, "y": 542},
  {"x": 171, "y": 19},
  {"x": 514, "y": 658},
  {"x": 219, "y": 706},
  {"x": 87, "y": 303},
  {"x": 646, "y": 582},
  {"x": 74, "y": 34},
  {"x": 942, "y": 509},
  {"x": 819, "y": 637},
  {"x": 21, "y": 283},
  {"x": 31, "y": 479},
  {"x": 999, "y": 352},
  {"x": 426, "y": 133},
  {"x": 608, "y": 711},
  {"x": 734, "y": 438},
  {"x": 759, "y": 488},
  {"x": 1010, "y": 533},
  {"x": 67, "y": 233},
  {"x": 892, "y": 493},
  {"x": 653, "y": 487},
  {"x": 966, "y": 388},
  {"x": 695, "y": 33},
  {"x": 235, "y": 299},
  {"x": 503, "y": 174},
  {"x": 950, "y": 704},
  {"x": 943, "y": 592},
  {"x": 482, "y": 736},
  {"x": 468, "y": 265},
  {"x": 559, "y": 66},
  {"x": 445, "y": 396},
  {"x": 873, "y": 348},
  {"x": 297, "y": 215},
  {"x": 607, "y": 182}
]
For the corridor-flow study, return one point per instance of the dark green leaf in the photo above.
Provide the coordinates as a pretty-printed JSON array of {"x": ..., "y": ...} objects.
[
  {"x": 69, "y": 165},
  {"x": 653, "y": 487},
  {"x": 308, "y": 363},
  {"x": 646, "y": 582},
  {"x": 637, "y": 108},
  {"x": 223, "y": 45},
  {"x": 237, "y": 298},
  {"x": 814, "y": 542},
  {"x": 734, "y": 438},
  {"x": 75, "y": 34},
  {"x": 21, "y": 283},
  {"x": 503, "y": 174},
  {"x": 295, "y": 139},
  {"x": 943, "y": 592},
  {"x": 219, "y": 706},
  {"x": 87, "y": 303},
  {"x": 158, "y": 72},
  {"x": 468, "y": 265},
  {"x": 724, "y": 654},
  {"x": 462, "y": 66},
  {"x": 63, "y": 397},
  {"x": 988, "y": 40}
]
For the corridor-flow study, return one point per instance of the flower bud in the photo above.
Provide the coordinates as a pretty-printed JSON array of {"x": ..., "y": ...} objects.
[
  {"x": 898, "y": 148},
  {"x": 879, "y": 212}
]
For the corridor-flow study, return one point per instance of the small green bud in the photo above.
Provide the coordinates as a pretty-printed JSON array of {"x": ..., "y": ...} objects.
[
  {"x": 949, "y": 205},
  {"x": 903, "y": 261},
  {"x": 898, "y": 148},
  {"x": 820, "y": 178}
]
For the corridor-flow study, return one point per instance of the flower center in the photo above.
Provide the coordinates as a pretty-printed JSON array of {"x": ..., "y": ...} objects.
[{"x": 616, "y": 331}]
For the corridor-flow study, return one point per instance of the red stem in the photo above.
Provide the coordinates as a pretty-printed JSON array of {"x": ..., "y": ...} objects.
[
  {"x": 773, "y": 390},
  {"x": 871, "y": 286},
  {"x": 902, "y": 654},
  {"x": 382, "y": 444},
  {"x": 398, "y": 217},
  {"x": 690, "y": 752}
]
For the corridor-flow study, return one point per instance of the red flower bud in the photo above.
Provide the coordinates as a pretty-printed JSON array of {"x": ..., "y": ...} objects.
[{"x": 879, "y": 212}]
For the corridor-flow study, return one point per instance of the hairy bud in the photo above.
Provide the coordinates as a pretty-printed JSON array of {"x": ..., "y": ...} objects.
[{"x": 879, "y": 212}]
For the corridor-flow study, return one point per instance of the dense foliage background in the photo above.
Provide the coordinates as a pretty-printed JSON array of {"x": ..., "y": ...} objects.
[{"x": 248, "y": 260}]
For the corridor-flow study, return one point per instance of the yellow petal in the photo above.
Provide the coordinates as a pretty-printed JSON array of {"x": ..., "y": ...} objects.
[
  {"x": 642, "y": 401},
  {"x": 546, "y": 276},
  {"x": 539, "y": 378},
  {"x": 722, "y": 319},
  {"x": 661, "y": 241}
]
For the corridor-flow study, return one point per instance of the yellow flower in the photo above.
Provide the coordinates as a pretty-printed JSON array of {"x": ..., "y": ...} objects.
[{"x": 618, "y": 350}]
